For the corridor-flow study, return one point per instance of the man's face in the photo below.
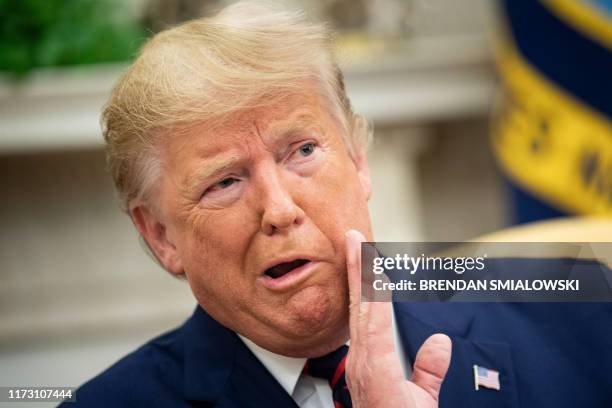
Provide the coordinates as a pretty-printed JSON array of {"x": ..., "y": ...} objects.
[{"x": 254, "y": 213}]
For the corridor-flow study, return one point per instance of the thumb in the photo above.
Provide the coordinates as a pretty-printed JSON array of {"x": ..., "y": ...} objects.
[{"x": 431, "y": 364}]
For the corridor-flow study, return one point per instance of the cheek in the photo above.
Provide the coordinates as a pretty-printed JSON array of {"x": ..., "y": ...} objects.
[
  {"x": 343, "y": 192},
  {"x": 213, "y": 246},
  {"x": 213, "y": 263},
  {"x": 337, "y": 202}
]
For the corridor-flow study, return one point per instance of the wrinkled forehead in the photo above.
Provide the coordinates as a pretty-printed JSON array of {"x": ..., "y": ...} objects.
[{"x": 267, "y": 120}]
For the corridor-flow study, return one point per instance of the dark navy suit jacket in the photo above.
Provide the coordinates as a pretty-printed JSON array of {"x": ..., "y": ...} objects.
[{"x": 547, "y": 354}]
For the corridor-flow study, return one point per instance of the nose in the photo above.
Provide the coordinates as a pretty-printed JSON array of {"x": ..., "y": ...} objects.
[{"x": 279, "y": 210}]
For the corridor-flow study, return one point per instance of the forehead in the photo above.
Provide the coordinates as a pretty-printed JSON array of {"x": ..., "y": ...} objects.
[{"x": 267, "y": 122}]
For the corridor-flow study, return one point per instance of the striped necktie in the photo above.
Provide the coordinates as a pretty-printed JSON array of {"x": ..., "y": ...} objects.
[{"x": 331, "y": 368}]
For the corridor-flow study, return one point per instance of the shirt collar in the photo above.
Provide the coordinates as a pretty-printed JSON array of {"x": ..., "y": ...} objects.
[{"x": 286, "y": 370}]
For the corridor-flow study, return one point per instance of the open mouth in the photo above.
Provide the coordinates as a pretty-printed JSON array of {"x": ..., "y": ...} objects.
[{"x": 280, "y": 270}]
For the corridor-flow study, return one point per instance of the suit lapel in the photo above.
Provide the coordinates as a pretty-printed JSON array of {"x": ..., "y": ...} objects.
[
  {"x": 243, "y": 390},
  {"x": 221, "y": 370},
  {"x": 417, "y": 321}
]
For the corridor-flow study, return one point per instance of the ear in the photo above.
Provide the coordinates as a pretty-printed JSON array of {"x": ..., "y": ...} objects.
[
  {"x": 154, "y": 232},
  {"x": 363, "y": 170}
]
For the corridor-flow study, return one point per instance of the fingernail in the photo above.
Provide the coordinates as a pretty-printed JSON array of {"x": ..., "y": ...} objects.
[{"x": 358, "y": 235}]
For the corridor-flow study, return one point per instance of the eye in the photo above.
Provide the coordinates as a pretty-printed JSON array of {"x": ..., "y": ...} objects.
[
  {"x": 226, "y": 182},
  {"x": 222, "y": 185},
  {"x": 305, "y": 156},
  {"x": 306, "y": 149}
]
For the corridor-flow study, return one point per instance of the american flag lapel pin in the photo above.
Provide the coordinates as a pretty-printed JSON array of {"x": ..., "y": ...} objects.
[{"x": 486, "y": 377}]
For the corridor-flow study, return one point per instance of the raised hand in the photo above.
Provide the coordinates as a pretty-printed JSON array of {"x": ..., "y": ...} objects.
[{"x": 373, "y": 371}]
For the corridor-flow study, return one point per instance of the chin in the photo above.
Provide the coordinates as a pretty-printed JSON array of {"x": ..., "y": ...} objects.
[
  {"x": 310, "y": 324},
  {"x": 318, "y": 320}
]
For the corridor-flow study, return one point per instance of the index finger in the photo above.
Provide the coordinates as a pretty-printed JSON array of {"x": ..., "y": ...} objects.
[
  {"x": 360, "y": 283},
  {"x": 353, "y": 268},
  {"x": 370, "y": 321}
]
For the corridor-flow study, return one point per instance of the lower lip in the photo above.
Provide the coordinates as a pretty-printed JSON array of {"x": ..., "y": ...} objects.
[{"x": 292, "y": 278}]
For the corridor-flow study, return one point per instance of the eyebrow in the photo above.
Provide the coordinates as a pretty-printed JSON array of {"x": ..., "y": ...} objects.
[
  {"x": 285, "y": 129},
  {"x": 220, "y": 162},
  {"x": 211, "y": 167}
]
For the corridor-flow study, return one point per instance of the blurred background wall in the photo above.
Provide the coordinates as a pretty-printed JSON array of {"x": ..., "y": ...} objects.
[{"x": 77, "y": 291}]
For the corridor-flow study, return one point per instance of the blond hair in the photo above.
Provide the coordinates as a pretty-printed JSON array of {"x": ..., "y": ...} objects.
[{"x": 203, "y": 70}]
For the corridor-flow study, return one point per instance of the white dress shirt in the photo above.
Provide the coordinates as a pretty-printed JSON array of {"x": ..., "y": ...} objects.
[{"x": 307, "y": 391}]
